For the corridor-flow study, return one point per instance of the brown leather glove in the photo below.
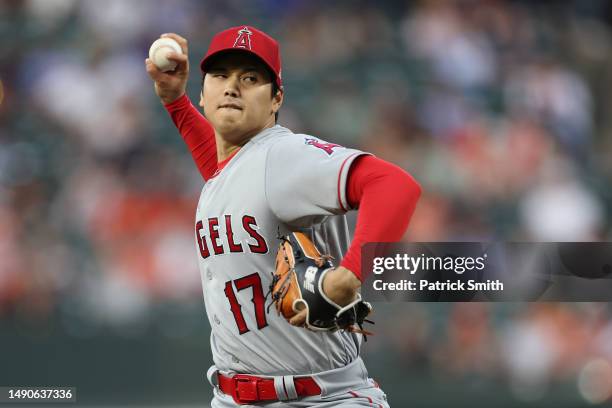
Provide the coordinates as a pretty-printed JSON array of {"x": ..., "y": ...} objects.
[{"x": 297, "y": 284}]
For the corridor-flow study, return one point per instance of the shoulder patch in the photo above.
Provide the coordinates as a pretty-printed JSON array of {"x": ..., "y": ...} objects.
[{"x": 326, "y": 147}]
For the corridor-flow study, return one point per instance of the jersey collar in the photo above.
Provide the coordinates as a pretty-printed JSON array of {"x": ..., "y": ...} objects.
[{"x": 261, "y": 135}]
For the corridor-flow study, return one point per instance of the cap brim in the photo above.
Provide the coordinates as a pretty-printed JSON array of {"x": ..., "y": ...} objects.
[{"x": 205, "y": 63}]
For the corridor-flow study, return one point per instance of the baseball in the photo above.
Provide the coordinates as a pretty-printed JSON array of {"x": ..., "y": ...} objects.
[{"x": 159, "y": 51}]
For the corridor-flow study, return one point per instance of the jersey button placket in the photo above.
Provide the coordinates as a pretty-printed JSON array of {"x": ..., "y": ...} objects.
[{"x": 216, "y": 319}]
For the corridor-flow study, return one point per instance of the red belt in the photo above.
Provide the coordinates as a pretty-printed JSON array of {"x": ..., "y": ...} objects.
[{"x": 247, "y": 389}]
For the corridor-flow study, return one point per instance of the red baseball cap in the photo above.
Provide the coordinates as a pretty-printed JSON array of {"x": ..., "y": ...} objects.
[{"x": 249, "y": 39}]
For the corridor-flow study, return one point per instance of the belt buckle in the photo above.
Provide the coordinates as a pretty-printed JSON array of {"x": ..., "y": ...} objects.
[{"x": 245, "y": 389}]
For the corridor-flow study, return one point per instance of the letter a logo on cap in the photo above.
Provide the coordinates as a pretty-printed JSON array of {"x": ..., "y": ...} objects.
[{"x": 244, "y": 38}]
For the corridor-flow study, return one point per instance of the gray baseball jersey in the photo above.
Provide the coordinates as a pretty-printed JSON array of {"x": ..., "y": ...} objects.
[{"x": 278, "y": 182}]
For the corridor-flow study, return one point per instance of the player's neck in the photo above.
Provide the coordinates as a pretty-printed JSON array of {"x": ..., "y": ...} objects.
[
  {"x": 226, "y": 146},
  {"x": 225, "y": 149}
]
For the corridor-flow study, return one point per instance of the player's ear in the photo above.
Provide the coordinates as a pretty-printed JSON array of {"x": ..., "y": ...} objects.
[
  {"x": 201, "y": 103},
  {"x": 277, "y": 100}
]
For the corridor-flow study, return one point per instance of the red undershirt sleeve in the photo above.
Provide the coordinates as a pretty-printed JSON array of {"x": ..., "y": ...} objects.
[
  {"x": 386, "y": 197},
  {"x": 198, "y": 134}
]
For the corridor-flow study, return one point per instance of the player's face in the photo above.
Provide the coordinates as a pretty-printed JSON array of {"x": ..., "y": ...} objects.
[{"x": 237, "y": 96}]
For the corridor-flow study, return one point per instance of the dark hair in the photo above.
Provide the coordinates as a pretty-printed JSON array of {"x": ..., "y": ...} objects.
[{"x": 275, "y": 89}]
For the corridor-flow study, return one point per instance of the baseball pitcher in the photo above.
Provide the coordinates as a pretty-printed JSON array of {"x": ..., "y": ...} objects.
[{"x": 280, "y": 274}]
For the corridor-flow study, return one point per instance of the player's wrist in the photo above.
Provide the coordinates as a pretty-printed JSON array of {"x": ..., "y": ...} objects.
[
  {"x": 168, "y": 98},
  {"x": 341, "y": 285},
  {"x": 174, "y": 102}
]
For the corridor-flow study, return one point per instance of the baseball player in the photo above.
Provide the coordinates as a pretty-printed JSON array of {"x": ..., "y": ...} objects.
[{"x": 263, "y": 181}]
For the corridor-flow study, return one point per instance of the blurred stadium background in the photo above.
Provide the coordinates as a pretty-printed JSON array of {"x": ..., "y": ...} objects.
[{"x": 501, "y": 109}]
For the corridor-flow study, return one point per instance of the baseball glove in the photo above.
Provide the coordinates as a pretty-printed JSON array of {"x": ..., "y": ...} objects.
[{"x": 297, "y": 285}]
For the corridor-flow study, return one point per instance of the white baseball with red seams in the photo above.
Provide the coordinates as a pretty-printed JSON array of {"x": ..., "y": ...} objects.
[{"x": 159, "y": 51}]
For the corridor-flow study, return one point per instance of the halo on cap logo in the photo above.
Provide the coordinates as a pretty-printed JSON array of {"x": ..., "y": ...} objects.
[{"x": 244, "y": 38}]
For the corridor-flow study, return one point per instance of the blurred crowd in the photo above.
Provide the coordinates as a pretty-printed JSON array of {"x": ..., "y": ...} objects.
[
  {"x": 529, "y": 348},
  {"x": 500, "y": 109}
]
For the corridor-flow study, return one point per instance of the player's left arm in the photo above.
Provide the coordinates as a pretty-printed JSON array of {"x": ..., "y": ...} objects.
[{"x": 386, "y": 197}]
